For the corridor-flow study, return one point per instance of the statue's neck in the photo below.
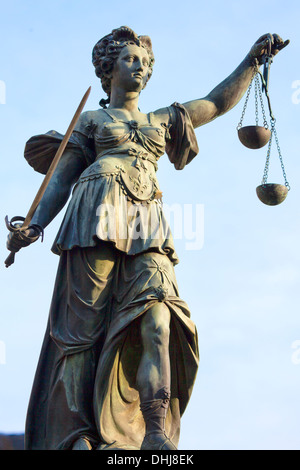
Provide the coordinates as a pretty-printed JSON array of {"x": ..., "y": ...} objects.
[{"x": 124, "y": 99}]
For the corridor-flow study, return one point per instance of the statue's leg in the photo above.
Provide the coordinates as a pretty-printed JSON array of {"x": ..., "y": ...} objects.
[
  {"x": 153, "y": 377},
  {"x": 95, "y": 287}
]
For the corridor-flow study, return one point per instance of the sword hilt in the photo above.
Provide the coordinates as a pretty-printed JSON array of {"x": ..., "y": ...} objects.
[
  {"x": 10, "y": 259},
  {"x": 12, "y": 228},
  {"x": 16, "y": 228}
]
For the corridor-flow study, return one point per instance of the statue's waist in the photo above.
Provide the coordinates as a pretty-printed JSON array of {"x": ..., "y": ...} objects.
[
  {"x": 128, "y": 153},
  {"x": 134, "y": 170}
]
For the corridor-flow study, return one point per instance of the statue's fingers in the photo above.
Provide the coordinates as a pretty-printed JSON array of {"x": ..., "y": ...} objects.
[
  {"x": 259, "y": 47},
  {"x": 269, "y": 45},
  {"x": 277, "y": 39},
  {"x": 264, "y": 37},
  {"x": 279, "y": 43},
  {"x": 283, "y": 45}
]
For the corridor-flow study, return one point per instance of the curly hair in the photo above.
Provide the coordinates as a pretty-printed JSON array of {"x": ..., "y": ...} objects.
[{"x": 107, "y": 50}]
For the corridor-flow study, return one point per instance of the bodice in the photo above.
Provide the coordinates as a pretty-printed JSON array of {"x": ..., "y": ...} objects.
[{"x": 115, "y": 133}]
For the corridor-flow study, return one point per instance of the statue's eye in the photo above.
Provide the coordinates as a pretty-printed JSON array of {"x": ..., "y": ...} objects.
[{"x": 128, "y": 58}]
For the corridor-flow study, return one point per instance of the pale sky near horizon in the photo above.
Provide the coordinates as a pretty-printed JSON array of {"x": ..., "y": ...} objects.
[{"x": 242, "y": 281}]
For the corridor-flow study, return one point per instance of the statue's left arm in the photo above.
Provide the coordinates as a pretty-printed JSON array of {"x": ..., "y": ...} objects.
[{"x": 228, "y": 93}]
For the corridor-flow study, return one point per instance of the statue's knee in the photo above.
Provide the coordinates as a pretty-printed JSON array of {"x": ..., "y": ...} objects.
[{"x": 155, "y": 326}]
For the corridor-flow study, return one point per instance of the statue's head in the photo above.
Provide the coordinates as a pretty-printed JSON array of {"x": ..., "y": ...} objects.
[{"x": 107, "y": 50}]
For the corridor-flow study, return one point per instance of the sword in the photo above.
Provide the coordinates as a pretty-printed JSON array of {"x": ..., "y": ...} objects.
[{"x": 26, "y": 222}]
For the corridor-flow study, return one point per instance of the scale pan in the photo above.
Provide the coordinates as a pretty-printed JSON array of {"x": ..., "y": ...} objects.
[
  {"x": 254, "y": 137},
  {"x": 272, "y": 194}
]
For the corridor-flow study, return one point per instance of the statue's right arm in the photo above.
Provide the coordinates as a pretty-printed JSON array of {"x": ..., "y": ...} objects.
[
  {"x": 55, "y": 197},
  {"x": 59, "y": 188}
]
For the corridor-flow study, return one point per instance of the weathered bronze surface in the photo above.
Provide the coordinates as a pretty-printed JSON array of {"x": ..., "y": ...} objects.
[
  {"x": 272, "y": 194},
  {"x": 120, "y": 353},
  {"x": 254, "y": 137}
]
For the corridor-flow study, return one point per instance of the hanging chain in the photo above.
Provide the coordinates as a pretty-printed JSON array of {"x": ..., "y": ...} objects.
[
  {"x": 258, "y": 93},
  {"x": 266, "y": 170},
  {"x": 256, "y": 85},
  {"x": 247, "y": 98},
  {"x": 279, "y": 152},
  {"x": 261, "y": 102}
]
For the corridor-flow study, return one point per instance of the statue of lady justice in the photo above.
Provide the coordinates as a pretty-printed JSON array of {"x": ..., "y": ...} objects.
[{"x": 120, "y": 353}]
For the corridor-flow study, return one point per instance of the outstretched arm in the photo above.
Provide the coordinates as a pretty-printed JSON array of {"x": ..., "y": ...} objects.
[{"x": 229, "y": 92}]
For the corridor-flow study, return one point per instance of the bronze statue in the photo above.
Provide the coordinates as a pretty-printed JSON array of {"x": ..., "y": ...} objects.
[{"x": 120, "y": 353}]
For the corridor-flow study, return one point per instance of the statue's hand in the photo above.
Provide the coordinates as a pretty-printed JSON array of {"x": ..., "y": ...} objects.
[
  {"x": 20, "y": 239},
  {"x": 262, "y": 46}
]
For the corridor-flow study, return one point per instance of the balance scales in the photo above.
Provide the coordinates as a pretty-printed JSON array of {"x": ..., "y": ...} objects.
[{"x": 256, "y": 136}]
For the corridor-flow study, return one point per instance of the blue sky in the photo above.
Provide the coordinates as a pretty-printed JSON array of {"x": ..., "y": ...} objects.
[{"x": 242, "y": 286}]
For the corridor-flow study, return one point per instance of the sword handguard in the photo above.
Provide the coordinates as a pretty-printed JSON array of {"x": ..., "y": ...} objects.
[{"x": 9, "y": 223}]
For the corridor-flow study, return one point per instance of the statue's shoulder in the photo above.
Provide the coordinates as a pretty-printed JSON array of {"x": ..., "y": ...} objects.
[
  {"x": 97, "y": 115},
  {"x": 165, "y": 115},
  {"x": 89, "y": 121}
]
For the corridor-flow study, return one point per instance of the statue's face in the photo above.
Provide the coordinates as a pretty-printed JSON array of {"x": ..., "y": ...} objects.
[{"x": 131, "y": 68}]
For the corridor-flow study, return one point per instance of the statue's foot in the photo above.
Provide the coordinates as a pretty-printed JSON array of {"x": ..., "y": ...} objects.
[
  {"x": 82, "y": 444},
  {"x": 157, "y": 441}
]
